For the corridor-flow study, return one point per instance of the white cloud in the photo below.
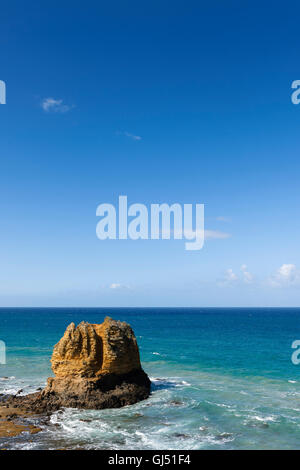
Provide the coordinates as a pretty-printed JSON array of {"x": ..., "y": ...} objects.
[
  {"x": 285, "y": 276},
  {"x": 247, "y": 276},
  {"x": 208, "y": 234},
  {"x": 230, "y": 277},
  {"x": 287, "y": 271},
  {"x": 222, "y": 218},
  {"x": 55, "y": 106},
  {"x": 215, "y": 234},
  {"x": 131, "y": 136},
  {"x": 117, "y": 286}
]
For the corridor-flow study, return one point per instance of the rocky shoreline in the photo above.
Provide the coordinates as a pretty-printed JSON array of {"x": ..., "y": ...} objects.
[
  {"x": 14, "y": 420},
  {"x": 96, "y": 366}
]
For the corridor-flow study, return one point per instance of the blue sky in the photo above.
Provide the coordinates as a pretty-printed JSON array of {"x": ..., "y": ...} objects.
[{"x": 186, "y": 102}]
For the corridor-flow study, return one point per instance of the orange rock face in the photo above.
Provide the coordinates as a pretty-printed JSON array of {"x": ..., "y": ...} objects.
[
  {"x": 95, "y": 367},
  {"x": 92, "y": 350}
]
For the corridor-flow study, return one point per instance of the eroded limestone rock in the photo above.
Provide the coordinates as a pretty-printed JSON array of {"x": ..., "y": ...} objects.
[
  {"x": 95, "y": 367},
  {"x": 92, "y": 350}
]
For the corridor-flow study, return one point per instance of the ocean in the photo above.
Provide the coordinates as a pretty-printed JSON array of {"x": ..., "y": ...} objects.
[{"x": 222, "y": 378}]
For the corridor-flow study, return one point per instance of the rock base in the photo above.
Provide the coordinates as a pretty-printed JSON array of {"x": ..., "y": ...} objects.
[{"x": 111, "y": 391}]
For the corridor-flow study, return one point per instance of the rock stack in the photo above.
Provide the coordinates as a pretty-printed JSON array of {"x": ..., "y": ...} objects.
[{"x": 96, "y": 366}]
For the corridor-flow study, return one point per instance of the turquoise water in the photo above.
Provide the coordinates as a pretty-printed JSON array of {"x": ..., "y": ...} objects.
[{"x": 222, "y": 379}]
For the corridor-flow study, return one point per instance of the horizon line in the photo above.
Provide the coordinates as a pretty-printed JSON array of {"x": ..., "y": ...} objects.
[{"x": 147, "y": 307}]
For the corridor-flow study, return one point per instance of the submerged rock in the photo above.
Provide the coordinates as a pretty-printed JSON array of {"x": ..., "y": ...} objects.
[{"x": 95, "y": 367}]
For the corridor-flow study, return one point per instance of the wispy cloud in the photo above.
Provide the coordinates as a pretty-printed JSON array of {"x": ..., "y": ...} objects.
[
  {"x": 223, "y": 218},
  {"x": 129, "y": 135},
  {"x": 51, "y": 105},
  {"x": 216, "y": 234},
  {"x": 191, "y": 234},
  {"x": 117, "y": 286}
]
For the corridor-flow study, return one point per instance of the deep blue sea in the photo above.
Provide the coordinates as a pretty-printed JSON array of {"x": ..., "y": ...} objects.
[{"x": 221, "y": 379}]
